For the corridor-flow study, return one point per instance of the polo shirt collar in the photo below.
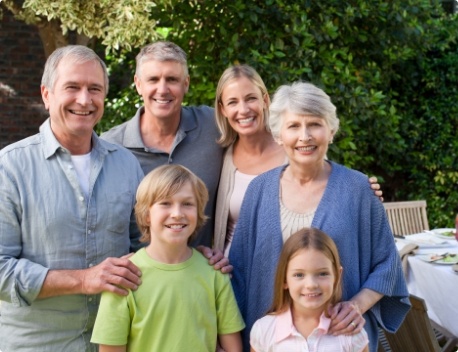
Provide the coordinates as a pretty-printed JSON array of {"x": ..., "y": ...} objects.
[{"x": 133, "y": 139}]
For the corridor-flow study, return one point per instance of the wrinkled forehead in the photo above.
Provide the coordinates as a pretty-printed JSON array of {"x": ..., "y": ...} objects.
[
  {"x": 71, "y": 64},
  {"x": 150, "y": 60}
]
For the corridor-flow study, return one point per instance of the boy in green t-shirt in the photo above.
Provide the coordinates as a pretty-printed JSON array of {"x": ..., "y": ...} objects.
[{"x": 183, "y": 304}]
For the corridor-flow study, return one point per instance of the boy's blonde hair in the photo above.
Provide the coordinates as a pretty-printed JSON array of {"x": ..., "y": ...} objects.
[{"x": 162, "y": 183}]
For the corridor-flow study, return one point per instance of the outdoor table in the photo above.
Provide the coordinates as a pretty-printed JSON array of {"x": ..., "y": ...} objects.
[{"x": 436, "y": 283}]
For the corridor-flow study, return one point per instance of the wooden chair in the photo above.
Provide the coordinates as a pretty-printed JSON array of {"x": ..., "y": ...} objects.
[
  {"x": 407, "y": 218},
  {"x": 416, "y": 333}
]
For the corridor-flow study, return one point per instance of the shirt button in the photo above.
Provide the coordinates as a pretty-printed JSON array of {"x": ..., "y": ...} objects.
[
  {"x": 90, "y": 299},
  {"x": 81, "y": 198},
  {"x": 91, "y": 265}
]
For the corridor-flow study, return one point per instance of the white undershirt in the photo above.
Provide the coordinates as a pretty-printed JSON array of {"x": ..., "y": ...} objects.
[{"x": 82, "y": 165}]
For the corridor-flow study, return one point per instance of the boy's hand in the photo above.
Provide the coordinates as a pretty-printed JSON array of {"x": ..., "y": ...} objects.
[{"x": 216, "y": 258}]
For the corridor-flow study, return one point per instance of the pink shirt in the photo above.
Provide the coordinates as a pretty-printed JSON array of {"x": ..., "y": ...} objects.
[{"x": 277, "y": 333}]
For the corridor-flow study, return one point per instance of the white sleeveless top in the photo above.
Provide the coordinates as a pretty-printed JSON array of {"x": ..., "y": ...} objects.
[
  {"x": 241, "y": 183},
  {"x": 292, "y": 222}
]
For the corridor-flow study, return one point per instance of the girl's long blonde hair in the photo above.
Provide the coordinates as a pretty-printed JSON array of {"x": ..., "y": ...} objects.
[{"x": 306, "y": 238}]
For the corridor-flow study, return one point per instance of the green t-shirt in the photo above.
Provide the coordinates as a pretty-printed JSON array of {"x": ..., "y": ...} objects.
[{"x": 177, "y": 308}]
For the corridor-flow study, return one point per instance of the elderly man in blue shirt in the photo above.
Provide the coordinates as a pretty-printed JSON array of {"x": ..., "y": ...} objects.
[{"x": 66, "y": 205}]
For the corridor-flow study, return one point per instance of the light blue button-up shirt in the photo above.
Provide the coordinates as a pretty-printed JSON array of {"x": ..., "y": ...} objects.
[{"x": 46, "y": 222}]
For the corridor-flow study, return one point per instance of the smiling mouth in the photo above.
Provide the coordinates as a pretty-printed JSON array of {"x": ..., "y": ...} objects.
[
  {"x": 81, "y": 113},
  {"x": 162, "y": 101},
  {"x": 176, "y": 227},
  {"x": 306, "y": 149},
  {"x": 246, "y": 121},
  {"x": 311, "y": 295}
]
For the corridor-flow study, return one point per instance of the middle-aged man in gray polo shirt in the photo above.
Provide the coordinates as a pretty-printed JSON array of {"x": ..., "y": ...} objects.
[{"x": 165, "y": 132}]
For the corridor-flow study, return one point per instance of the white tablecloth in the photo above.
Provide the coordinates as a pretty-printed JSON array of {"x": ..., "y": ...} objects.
[{"x": 438, "y": 285}]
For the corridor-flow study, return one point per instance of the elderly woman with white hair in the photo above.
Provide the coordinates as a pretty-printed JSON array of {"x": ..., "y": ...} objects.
[{"x": 311, "y": 191}]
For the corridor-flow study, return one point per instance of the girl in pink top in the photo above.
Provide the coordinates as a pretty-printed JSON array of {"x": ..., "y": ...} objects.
[{"x": 307, "y": 286}]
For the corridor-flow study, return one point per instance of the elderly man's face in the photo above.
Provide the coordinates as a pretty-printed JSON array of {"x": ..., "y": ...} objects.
[
  {"x": 162, "y": 85},
  {"x": 76, "y": 101}
]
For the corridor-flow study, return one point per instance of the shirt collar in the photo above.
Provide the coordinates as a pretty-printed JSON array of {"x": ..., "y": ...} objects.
[
  {"x": 50, "y": 142},
  {"x": 133, "y": 138},
  {"x": 51, "y": 145},
  {"x": 284, "y": 326}
]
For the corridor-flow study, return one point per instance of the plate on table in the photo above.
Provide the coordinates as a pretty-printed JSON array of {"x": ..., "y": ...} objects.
[
  {"x": 448, "y": 234},
  {"x": 426, "y": 240},
  {"x": 455, "y": 268},
  {"x": 450, "y": 259}
]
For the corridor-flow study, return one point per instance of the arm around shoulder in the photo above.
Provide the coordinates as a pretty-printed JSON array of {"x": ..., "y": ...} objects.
[{"x": 113, "y": 274}]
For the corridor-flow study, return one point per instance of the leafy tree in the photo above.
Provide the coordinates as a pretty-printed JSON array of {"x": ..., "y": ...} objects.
[
  {"x": 126, "y": 24},
  {"x": 370, "y": 57},
  {"x": 429, "y": 127},
  {"x": 389, "y": 66}
]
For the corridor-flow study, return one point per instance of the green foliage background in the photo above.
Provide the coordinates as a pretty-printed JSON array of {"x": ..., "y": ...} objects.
[{"x": 391, "y": 68}]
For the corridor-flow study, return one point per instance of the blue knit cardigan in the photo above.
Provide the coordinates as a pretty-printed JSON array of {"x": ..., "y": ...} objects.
[{"x": 352, "y": 215}]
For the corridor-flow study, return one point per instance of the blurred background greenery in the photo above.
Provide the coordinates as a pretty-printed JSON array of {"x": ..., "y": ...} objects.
[{"x": 391, "y": 68}]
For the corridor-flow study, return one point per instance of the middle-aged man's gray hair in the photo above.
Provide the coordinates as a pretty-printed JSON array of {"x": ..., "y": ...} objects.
[{"x": 162, "y": 51}]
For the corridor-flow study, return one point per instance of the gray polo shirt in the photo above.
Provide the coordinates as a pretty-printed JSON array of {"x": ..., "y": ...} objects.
[{"x": 194, "y": 147}]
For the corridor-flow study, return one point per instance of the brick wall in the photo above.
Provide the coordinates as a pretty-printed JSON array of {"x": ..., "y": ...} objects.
[{"x": 21, "y": 66}]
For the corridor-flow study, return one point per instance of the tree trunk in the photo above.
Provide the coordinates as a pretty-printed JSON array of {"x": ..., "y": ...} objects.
[
  {"x": 50, "y": 32},
  {"x": 51, "y": 36}
]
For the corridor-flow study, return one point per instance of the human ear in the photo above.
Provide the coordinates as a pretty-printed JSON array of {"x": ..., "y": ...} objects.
[
  {"x": 186, "y": 83},
  {"x": 138, "y": 84},
  {"x": 44, "y": 96},
  {"x": 265, "y": 98},
  {"x": 331, "y": 139}
]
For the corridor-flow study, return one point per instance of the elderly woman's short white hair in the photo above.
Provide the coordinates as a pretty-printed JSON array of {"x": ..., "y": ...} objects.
[{"x": 303, "y": 99}]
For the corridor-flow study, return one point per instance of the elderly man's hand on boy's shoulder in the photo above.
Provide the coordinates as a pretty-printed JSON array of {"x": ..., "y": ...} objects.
[
  {"x": 113, "y": 274},
  {"x": 216, "y": 258}
]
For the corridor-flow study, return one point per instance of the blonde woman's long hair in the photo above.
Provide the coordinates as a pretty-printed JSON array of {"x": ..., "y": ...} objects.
[{"x": 228, "y": 135}]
